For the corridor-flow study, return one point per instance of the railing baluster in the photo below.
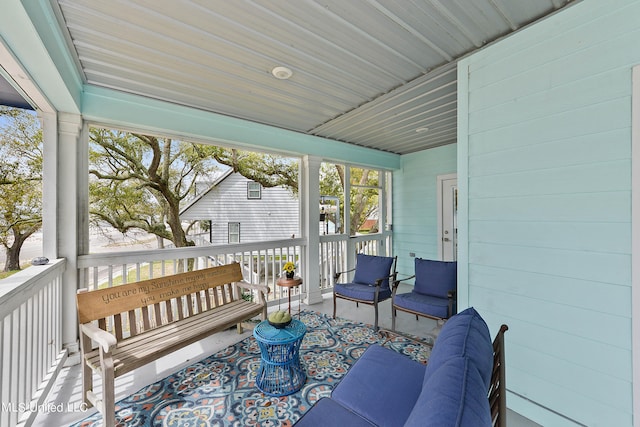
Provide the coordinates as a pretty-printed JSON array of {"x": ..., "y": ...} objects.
[{"x": 28, "y": 352}]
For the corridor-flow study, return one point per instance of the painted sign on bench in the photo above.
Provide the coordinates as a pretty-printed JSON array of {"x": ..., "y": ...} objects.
[{"x": 101, "y": 303}]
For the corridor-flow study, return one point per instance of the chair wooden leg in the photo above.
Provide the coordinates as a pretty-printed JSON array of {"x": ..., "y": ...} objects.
[
  {"x": 334, "y": 305},
  {"x": 375, "y": 323},
  {"x": 393, "y": 319}
]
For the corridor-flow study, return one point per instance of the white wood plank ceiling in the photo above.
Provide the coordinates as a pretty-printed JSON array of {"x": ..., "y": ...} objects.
[{"x": 377, "y": 73}]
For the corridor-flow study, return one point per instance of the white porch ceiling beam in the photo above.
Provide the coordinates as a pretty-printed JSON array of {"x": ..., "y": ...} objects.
[{"x": 110, "y": 107}]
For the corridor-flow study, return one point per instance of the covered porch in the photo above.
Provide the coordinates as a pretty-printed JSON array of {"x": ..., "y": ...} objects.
[{"x": 532, "y": 105}]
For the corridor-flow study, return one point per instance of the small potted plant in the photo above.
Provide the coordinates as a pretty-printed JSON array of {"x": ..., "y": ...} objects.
[{"x": 289, "y": 270}]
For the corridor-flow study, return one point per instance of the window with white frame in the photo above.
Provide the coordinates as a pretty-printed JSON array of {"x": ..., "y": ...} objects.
[
  {"x": 254, "y": 190},
  {"x": 234, "y": 232}
]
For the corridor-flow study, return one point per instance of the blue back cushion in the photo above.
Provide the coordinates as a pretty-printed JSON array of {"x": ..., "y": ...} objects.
[
  {"x": 466, "y": 334},
  {"x": 370, "y": 268},
  {"x": 435, "y": 278},
  {"x": 454, "y": 396}
]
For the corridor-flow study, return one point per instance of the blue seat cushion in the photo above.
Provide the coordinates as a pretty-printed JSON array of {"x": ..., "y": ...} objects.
[
  {"x": 382, "y": 386},
  {"x": 435, "y": 278},
  {"x": 454, "y": 396},
  {"x": 327, "y": 412},
  {"x": 361, "y": 292},
  {"x": 370, "y": 268},
  {"x": 466, "y": 334},
  {"x": 426, "y": 304}
]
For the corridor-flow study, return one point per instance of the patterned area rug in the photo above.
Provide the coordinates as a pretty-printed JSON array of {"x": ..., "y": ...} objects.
[{"x": 220, "y": 390}]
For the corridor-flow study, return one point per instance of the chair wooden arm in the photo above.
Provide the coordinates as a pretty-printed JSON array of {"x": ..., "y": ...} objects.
[
  {"x": 451, "y": 296},
  {"x": 337, "y": 274},
  {"x": 397, "y": 281},
  {"x": 104, "y": 339},
  {"x": 391, "y": 277}
]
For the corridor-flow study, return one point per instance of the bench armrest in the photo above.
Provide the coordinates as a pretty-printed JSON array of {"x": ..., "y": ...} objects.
[
  {"x": 104, "y": 339},
  {"x": 262, "y": 288}
]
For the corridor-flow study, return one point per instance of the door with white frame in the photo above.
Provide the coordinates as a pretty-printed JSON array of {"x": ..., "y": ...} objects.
[{"x": 447, "y": 217}]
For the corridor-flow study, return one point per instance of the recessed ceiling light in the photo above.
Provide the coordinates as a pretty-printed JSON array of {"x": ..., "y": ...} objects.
[
  {"x": 282, "y": 73},
  {"x": 422, "y": 129}
]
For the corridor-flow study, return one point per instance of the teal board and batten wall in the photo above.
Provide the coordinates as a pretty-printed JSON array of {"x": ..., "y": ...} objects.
[
  {"x": 544, "y": 172},
  {"x": 415, "y": 215}
]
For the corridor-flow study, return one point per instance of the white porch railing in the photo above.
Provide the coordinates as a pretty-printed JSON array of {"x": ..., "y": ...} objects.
[
  {"x": 31, "y": 353},
  {"x": 261, "y": 262},
  {"x": 338, "y": 253}
]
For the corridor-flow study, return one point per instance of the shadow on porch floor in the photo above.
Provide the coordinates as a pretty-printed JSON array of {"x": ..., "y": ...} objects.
[{"x": 67, "y": 390}]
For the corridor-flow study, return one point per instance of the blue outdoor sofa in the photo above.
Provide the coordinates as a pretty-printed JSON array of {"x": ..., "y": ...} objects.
[{"x": 462, "y": 384}]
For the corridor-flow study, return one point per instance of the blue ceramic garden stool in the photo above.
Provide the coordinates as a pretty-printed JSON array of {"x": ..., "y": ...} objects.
[{"x": 280, "y": 372}]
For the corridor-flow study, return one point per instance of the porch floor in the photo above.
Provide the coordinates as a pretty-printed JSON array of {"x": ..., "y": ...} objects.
[{"x": 67, "y": 389}]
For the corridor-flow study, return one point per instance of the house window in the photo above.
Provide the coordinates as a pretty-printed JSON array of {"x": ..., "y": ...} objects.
[
  {"x": 254, "y": 190},
  {"x": 234, "y": 232}
]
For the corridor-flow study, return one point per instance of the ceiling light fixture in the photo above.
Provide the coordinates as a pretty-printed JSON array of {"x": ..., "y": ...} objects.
[
  {"x": 422, "y": 129},
  {"x": 281, "y": 73}
]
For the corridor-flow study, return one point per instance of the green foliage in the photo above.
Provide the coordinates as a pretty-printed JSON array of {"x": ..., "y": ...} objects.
[
  {"x": 20, "y": 181},
  {"x": 138, "y": 181},
  {"x": 267, "y": 169}
]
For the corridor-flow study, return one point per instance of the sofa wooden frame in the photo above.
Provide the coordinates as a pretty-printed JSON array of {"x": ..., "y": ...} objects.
[{"x": 128, "y": 326}]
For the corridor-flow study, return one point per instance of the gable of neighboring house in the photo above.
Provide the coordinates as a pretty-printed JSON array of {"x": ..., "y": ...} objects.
[{"x": 240, "y": 210}]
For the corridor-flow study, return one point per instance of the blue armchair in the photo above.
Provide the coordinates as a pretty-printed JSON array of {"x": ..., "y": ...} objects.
[
  {"x": 371, "y": 282},
  {"x": 433, "y": 294}
]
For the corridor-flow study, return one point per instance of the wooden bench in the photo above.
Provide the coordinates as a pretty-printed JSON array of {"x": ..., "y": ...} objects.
[{"x": 128, "y": 326}]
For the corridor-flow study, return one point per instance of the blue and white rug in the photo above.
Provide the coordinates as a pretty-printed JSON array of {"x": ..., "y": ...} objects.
[{"x": 220, "y": 390}]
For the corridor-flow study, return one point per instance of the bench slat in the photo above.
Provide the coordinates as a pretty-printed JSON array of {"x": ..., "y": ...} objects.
[
  {"x": 145, "y": 318},
  {"x": 117, "y": 326},
  {"x": 137, "y": 351}
]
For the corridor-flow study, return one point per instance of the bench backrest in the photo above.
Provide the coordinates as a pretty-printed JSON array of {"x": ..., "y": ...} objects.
[{"x": 132, "y": 308}]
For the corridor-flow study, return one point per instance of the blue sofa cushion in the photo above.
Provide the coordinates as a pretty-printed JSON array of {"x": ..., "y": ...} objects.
[
  {"x": 370, "y": 268},
  {"x": 429, "y": 305},
  {"x": 465, "y": 334},
  {"x": 382, "y": 386},
  {"x": 361, "y": 292},
  {"x": 435, "y": 278},
  {"x": 454, "y": 396},
  {"x": 327, "y": 412}
]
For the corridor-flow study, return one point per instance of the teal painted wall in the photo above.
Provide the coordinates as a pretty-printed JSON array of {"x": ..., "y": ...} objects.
[
  {"x": 544, "y": 146},
  {"x": 415, "y": 216}
]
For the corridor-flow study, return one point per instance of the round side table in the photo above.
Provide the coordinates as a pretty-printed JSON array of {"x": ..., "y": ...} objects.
[
  {"x": 290, "y": 284},
  {"x": 280, "y": 372}
]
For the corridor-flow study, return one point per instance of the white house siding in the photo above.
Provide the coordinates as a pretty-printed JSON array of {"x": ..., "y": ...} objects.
[
  {"x": 415, "y": 215},
  {"x": 275, "y": 216},
  {"x": 545, "y": 221}
]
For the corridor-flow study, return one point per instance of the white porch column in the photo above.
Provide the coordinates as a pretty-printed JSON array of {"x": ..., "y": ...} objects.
[
  {"x": 309, "y": 191},
  {"x": 70, "y": 172},
  {"x": 49, "y": 122}
]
